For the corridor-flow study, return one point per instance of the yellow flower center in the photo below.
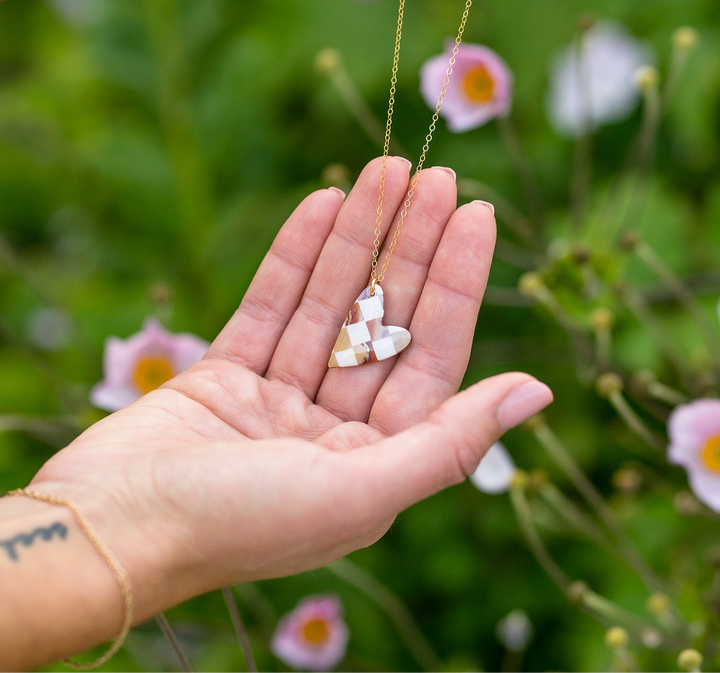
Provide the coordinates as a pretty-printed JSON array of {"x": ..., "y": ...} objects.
[
  {"x": 151, "y": 372},
  {"x": 315, "y": 631},
  {"x": 479, "y": 85},
  {"x": 711, "y": 453}
]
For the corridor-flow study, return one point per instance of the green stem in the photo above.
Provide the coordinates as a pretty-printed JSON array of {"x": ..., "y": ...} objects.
[
  {"x": 603, "y": 342},
  {"x": 644, "y": 315},
  {"x": 394, "y": 608},
  {"x": 259, "y": 605},
  {"x": 360, "y": 110},
  {"x": 689, "y": 301},
  {"x": 574, "y": 516},
  {"x": 581, "y": 179},
  {"x": 633, "y": 421},
  {"x": 613, "y": 613},
  {"x": 57, "y": 431},
  {"x": 557, "y": 452},
  {"x": 666, "y": 394},
  {"x": 596, "y": 605},
  {"x": 539, "y": 550},
  {"x": 649, "y": 128},
  {"x": 170, "y": 636},
  {"x": 582, "y": 169},
  {"x": 524, "y": 169},
  {"x": 504, "y": 209},
  {"x": 678, "y": 59},
  {"x": 624, "y": 660},
  {"x": 240, "y": 630},
  {"x": 196, "y": 207}
]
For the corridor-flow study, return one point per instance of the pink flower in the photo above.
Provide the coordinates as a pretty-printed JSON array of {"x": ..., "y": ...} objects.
[
  {"x": 313, "y": 636},
  {"x": 694, "y": 431},
  {"x": 480, "y": 86},
  {"x": 142, "y": 363}
]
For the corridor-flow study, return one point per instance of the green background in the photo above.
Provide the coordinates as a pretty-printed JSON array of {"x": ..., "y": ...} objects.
[{"x": 149, "y": 152}]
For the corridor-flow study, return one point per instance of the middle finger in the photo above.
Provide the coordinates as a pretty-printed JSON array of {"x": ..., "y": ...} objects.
[{"x": 349, "y": 393}]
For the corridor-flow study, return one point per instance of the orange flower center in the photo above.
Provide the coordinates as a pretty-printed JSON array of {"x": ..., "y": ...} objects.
[
  {"x": 711, "y": 453},
  {"x": 151, "y": 372},
  {"x": 315, "y": 631},
  {"x": 479, "y": 85}
]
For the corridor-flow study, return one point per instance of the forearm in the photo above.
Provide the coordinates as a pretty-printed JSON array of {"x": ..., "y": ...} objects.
[{"x": 59, "y": 595}]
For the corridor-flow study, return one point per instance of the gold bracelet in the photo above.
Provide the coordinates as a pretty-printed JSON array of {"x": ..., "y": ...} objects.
[{"x": 109, "y": 558}]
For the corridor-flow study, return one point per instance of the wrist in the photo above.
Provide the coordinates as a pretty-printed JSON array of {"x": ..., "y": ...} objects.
[
  {"x": 136, "y": 536},
  {"x": 79, "y": 605}
]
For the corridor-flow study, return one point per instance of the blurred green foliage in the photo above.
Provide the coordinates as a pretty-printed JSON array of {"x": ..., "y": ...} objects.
[{"x": 151, "y": 149}]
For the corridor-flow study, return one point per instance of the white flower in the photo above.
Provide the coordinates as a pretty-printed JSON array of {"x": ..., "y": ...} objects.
[
  {"x": 495, "y": 471},
  {"x": 594, "y": 83},
  {"x": 514, "y": 631}
]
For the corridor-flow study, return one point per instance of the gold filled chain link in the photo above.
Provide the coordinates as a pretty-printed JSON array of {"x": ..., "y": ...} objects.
[{"x": 374, "y": 276}]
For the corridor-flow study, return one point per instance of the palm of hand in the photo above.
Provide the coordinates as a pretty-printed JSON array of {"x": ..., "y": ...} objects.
[{"x": 245, "y": 458}]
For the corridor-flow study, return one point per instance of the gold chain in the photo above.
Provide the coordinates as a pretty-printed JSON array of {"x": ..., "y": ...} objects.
[
  {"x": 374, "y": 277},
  {"x": 109, "y": 558}
]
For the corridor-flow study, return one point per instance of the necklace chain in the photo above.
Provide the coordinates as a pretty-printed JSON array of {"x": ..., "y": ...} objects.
[{"x": 374, "y": 276}]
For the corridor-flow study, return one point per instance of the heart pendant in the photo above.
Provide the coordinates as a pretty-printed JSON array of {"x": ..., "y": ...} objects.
[{"x": 363, "y": 337}]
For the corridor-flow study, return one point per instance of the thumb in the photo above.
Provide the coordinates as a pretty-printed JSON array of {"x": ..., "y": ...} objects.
[{"x": 442, "y": 451}]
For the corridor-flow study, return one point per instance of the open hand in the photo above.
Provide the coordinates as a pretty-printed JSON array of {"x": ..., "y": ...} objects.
[{"x": 259, "y": 461}]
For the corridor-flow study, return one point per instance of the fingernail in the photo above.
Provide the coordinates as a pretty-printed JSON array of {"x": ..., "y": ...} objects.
[
  {"x": 487, "y": 204},
  {"x": 338, "y": 190},
  {"x": 407, "y": 162},
  {"x": 447, "y": 170},
  {"x": 522, "y": 403}
]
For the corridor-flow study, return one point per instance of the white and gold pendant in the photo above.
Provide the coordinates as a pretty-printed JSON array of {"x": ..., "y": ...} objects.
[{"x": 363, "y": 337}]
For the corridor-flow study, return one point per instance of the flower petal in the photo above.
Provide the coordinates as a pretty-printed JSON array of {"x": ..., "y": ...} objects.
[
  {"x": 496, "y": 470},
  {"x": 288, "y": 645},
  {"x": 596, "y": 86},
  {"x": 461, "y": 112},
  {"x": 113, "y": 397},
  {"x": 689, "y": 427},
  {"x": 705, "y": 485},
  {"x": 186, "y": 350}
]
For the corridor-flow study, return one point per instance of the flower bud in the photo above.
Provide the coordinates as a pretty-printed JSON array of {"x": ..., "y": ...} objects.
[
  {"x": 629, "y": 240},
  {"x": 647, "y": 78},
  {"x": 520, "y": 480},
  {"x": 577, "y": 591},
  {"x": 536, "y": 480},
  {"x": 690, "y": 660},
  {"x": 658, "y": 604},
  {"x": 616, "y": 638},
  {"x": 627, "y": 480},
  {"x": 335, "y": 175},
  {"x": 687, "y": 504},
  {"x": 714, "y": 558},
  {"x": 530, "y": 283},
  {"x": 585, "y": 22},
  {"x": 533, "y": 423},
  {"x": 651, "y": 638},
  {"x": 581, "y": 254},
  {"x": 642, "y": 380},
  {"x": 160, "y": 293},
  {"x": 608, "y": 383},
  {"x": 602, "y": 319},
  {"x": 685, "y": 38},
  {"x": 327, "y": 61}
]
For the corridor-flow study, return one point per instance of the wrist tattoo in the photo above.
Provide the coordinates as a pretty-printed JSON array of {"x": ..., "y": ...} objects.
[{"x": 26, "y": 539}]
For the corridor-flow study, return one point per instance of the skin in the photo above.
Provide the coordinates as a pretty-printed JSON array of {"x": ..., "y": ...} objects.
[{"x": 258, "y": 461}]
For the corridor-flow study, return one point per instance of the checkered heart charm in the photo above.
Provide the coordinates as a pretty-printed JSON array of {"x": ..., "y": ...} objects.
[{"x": 363, "y": 337}]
